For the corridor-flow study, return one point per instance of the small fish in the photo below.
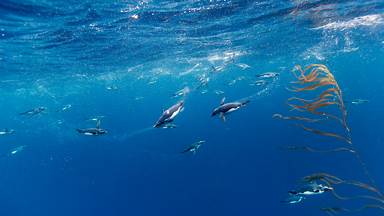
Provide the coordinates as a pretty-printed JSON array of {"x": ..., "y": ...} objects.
[
  {"x": 359, "y": 101},
  {"x": 6, "y": 131},
  {"x": 236, "y": 80},
  {"x": 152, "y": 82},
  {"x": 135, "y": 16},
  {"x": 203, "y": 81},
  {"x": 113, "y": 87},
  {"x": 267, "y": 75},
  {"x": 219, "y": 92},
  {"x": 232, "y": 82},
  {"x": 259, "y": 83},
  {"x": 34, "y": 111},
  {"x": 243, "y": 66},
  {"x": 182, "y": 92},
  {"x": 66, "y": 107},
  {"x": 217, "y": 69}
]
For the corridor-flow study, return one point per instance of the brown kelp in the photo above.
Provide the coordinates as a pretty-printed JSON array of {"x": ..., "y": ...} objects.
[
  {"x": 318, "y": 103},
  {"x": 318, "y": 80},
  {"x": 310, "y": 149},
  {"x": 332, "y": 181},
  {"x": 334, "y": 210},
  {"x": 373, "y": 194}
]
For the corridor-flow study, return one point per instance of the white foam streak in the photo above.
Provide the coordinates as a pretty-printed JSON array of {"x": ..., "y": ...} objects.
[{"x": 368, "y": 20}]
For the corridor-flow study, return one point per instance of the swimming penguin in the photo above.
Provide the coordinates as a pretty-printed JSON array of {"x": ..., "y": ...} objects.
[
  {"x": 93, "y": 131},
  {"x": 226, "y": 108},
  {"x": 194, "y": 147},
  {"x": 33, "y": 111},
  {"x": 16, "y": 150},
  {"x": 311, "y": 189},
  {"x": 169, "y": 114},
  {"x": 182, "y": 92}
]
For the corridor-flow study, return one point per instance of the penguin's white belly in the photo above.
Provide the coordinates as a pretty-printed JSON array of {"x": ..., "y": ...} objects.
[
  {"x": 232, "y": 109},
  {"x": 175, "y": 114}
]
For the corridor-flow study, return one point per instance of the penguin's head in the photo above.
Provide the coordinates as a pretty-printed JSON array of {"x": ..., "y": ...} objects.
[
  {"x": 102, "y": 131},
  {"x": 327, "y": 188},
  {"x": 215, "y": 112}
]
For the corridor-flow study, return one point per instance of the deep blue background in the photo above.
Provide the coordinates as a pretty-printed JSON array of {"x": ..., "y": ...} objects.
[{"x": 54, "y": 53}]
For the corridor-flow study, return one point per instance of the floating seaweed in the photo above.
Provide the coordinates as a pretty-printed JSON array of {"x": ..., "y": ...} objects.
[
  {"x": 305, "y": 190},
  {"x": 323, "y": 133},
  {"x": 310, "y": 149},
  {"x": 333, "y": 181},
  {"x": 326, "y": 104},
  {"x": 318, "y": 78},
  {"x": 334, "y": 210}
]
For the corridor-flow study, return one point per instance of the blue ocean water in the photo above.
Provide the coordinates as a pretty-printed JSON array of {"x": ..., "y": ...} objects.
[{"x": 122, "y": 62}]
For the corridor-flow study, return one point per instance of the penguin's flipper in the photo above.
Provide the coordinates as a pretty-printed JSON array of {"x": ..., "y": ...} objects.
[
  {"x": 222, "y": 116},
  {"x": 222, "y": 101}
]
